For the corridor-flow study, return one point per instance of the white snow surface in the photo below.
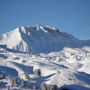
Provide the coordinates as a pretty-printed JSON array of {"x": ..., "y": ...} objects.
[{"x": 69, "y": 68}]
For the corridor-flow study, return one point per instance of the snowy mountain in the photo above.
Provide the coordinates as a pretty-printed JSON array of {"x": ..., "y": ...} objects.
[
  {"x": 67, "y": 65},
  {"x": 40, "y": 39}
]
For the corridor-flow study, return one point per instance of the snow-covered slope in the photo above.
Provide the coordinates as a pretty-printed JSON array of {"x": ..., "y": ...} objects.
[
  {"x": 69, "y": 68},
  {"x": 39, "y": 39}
]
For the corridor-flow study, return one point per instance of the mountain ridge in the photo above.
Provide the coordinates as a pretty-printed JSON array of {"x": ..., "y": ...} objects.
[{"x": 40, "y": 39}]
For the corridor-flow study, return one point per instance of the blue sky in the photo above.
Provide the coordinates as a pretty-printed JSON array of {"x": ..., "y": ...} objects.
[{"x": 72, "y": 16}]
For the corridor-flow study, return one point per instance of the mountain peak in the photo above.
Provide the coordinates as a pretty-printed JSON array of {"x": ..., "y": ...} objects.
[{"x": 38, "y": 28}]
